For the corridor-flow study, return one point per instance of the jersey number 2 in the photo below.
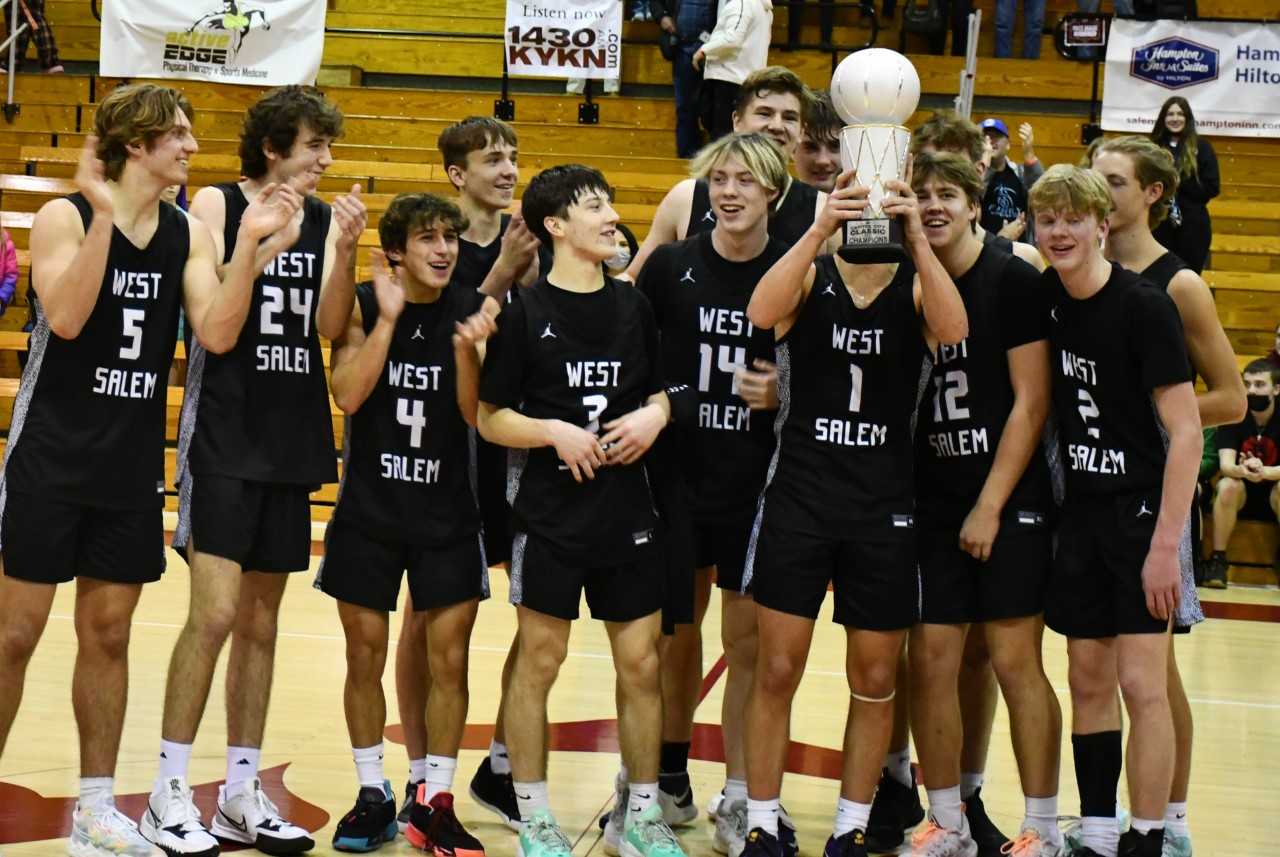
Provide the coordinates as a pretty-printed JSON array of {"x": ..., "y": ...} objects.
[{"x": 273, "y": 308}]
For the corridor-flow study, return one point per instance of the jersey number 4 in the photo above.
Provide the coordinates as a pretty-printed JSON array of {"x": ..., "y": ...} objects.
[
  {"x": 731, "y": 359},
  {"x": 412, "y": 413}
]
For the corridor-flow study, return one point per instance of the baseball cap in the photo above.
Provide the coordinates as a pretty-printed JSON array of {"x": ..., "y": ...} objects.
[{"x": 995, "y": 125}]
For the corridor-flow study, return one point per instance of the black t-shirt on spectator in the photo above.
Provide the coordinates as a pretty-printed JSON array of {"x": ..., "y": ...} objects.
[
  {"x": 1247, "y": 437},
  {"x": 1004, "y": 200}
]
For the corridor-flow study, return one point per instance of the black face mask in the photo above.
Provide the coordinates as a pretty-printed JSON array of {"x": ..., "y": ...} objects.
[{"x": 1258, "y": 402}]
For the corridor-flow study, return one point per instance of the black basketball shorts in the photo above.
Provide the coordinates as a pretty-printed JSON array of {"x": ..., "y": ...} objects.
[
  {"x": 1257, "y": 502},
  {"x": 495, "y": 513},
  {"x": 260, "y": 526},
  {"x": 50, "y": 541},
  {"x": 958, "y": 589},
  {"x": 545, "y": 580},
  {"x": 1095, "y": 588},
  {"x": 872, "y": 570},
  {"x": 363, "y": 570},
  {"x": 724, "y": 546}
]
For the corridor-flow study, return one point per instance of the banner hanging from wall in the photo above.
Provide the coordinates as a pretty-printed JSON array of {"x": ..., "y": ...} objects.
[
  {"x": 564, "y": 38},
  {"x": 259, "y": 42},
  {"x": 1228, "y": 72}
]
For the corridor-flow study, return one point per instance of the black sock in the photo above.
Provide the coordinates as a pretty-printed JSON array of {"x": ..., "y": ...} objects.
[
  {"x": 1098, "y": 757},
  {"x": 1222, "y": 555},
  {"x": 674, "y": 758},
  {"x": 1135, "y": 844}
]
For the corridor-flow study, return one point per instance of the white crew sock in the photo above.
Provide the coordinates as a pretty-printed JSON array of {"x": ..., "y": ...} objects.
[
  {"x": 242, "y": 765},
  {"x": 945, "y": 808},
  {"x": 764, "y": 815},
  {"x": 499, "y": 761},
  {"x": 969, "y": 783},
  {"x": 641, "y": 796},
  {"x": 898, "y": 763},
  {"x": 734, "y": 790},
  {"x": 851, "y": 816},
  {"x": 417, "y": 770},
  {"x": 1146, "y": 825},
  {"x": 174, "y": 760},
  {"x": 439, "y": 777},
  {"x": 1175, "y": 819},
  {"x": 97, "y": 791},
  {"x": 532, "y": 798},
  {"x": 1100, "y": 834},
  {"x": 369, "y": 765},
  {"x": 1042, "y": 815}
]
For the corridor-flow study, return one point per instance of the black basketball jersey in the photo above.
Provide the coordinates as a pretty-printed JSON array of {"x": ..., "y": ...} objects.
[
  {"x": 476, "y": 260},
  {"x": 1161, "y": 272},
  {"x": 848, "y": 383},
  {"x": 791, "y": 217},
  {"x": 700, "y": 302},
  {"x": 586, "y": 359},
  {"x": 261, "y": 411},
  {"x": 961, "y": 418},
  {"x": 1109, "y": 352},
  {"x": 408, "y": 459},
  {"x": 88, "y": 423}
]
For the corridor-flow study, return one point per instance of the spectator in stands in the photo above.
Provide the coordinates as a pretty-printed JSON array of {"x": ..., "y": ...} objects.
[
  {"x": 37, "y": 28},
  {"x": 1187, "y": 230},
  {"x": 1249, "y": 460},
  {"x": 795, "y": 20},
  {"x": 577, "y": 85},
  {"x": 1032, "y": 27},
  {"x": 739, "y": 45},
  {"x": 692, "y": 22},
  {"x": 617, "y": 264},
  {"x": 1274, "y": 357},
  {"x": 8, "y": 270},
  {"x": 1004, "y": 205}
]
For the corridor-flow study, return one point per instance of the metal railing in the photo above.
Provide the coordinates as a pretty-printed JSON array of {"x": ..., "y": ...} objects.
[{"x": 11, "y": 108}]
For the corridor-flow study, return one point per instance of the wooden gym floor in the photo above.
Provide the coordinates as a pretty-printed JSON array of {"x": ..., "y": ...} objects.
[{"x": 1230, "y": 667}]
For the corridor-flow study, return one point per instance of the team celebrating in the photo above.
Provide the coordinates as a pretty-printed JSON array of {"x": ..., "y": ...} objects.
[{"x": 966, "y": 446}]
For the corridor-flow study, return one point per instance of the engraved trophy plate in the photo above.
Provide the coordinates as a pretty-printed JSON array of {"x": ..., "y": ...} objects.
[{"x": 875, "y": 91}]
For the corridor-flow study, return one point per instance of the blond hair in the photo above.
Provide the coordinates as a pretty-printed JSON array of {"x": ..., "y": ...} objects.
[
  {"x": 1065, "y": 187},
  {"x": 140, "y": 112},
  {"x": 757, "y": 152},
  {"x": 951, "y": 168},
  {"x": 1151, "y": 163}
]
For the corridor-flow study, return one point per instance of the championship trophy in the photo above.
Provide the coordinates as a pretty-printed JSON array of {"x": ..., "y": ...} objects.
[{"x": 874, "y": 91}]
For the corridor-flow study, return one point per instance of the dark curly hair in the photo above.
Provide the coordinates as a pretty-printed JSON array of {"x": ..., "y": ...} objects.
[
  {"x": 410, "y": 212},
  {"x": 275, "y": 120}
]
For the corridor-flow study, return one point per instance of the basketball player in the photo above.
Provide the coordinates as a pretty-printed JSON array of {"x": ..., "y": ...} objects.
[
  {"x": 852, "y": 341},
  {"x": 82, "y": 487},
  {"x": 983, "y": 511},
  {"x": 256, "y": 438},
  {"x": 572, "y": 381},
  {"x": 479, "y": 154},
  {"x": 394, "y": 375},
  {"x": 817, "y": 157},
  {"x": 1142, "y": 179},
  {"x": 773, "y": 101},
  {"x": 1130, "y": 444},
  {"x": 699, "y": 288}
]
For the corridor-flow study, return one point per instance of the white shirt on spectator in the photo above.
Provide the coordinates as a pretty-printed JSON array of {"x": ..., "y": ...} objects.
[{"x": 739, "y": 45}]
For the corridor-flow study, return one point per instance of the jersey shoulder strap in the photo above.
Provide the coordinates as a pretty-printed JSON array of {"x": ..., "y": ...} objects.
[
  {"x": 368, "y": 302},
  {"x": 699, "y": 207},
  {"x": 234, "y": 205},
  {"x": 82, "y": 206}
]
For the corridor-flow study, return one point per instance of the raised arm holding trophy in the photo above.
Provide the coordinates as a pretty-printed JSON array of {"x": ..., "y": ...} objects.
[{"x": 875, "y": 91}]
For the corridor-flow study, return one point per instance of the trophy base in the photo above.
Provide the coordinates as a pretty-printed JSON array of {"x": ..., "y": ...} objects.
[{"x": 873, "y": 241}]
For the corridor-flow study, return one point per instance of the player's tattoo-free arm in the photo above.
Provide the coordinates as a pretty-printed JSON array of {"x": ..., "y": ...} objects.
[
  {"x": 217, "y": 308},
  {"x": 1224, "y": 401},
  {"x": 936, "y": 296},
  {"x": 68, "y": 264},
  {"x": 469, "y": 338},
  {"x": 578, "y": 448},
  {"x": 338, "y": 276},
  {"x": 666, "y": 224},
  {"x": 630, "y": 436},
  {"x": 1029, "y": 254},
  {"x": 517, "y": 255},
  {"x": 1161, "y": 576},
  {"x": 1031, "y": 380},
  {"x": 364, "y": 356}
]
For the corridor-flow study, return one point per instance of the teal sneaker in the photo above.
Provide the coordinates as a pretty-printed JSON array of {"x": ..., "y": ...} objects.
[
  {"x": 647, "y": 835},
  {"x": 1175, "y": 846},
  {"x": 540, "y": 836}
]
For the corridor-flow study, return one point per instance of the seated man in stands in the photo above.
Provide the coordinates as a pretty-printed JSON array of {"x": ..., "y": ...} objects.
[{"x": 1249, "y": 460}]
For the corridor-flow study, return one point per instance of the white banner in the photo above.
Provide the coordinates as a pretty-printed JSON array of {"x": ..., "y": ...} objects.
[
  {"x": 1228, "y": 72},
  {"x": 564, "y": 38},
  {"x": 260, "y": 42}
]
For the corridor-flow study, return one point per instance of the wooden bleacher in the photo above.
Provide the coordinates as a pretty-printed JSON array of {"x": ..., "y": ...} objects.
[{"x": 388, "y": 145}]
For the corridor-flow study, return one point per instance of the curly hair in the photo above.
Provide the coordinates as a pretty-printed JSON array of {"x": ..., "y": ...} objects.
[
  {"x": 275, "y": 120},
  {"x": 411, "y": 212}
]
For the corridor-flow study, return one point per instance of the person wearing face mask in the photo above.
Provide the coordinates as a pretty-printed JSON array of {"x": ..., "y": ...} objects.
[
  {"x": 616, "y": 265},
  {"x": 1188, "y": 230},
  {"x": 1249, "y": 460}
]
